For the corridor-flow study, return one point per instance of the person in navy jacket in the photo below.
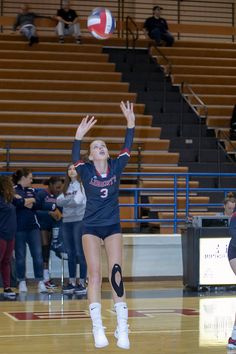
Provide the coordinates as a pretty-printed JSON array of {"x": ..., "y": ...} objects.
[
  {"x": 7, "y": 232},
  {"x": 101, "y": 177},
  {"x": 26, "y": 203},
  {"x": 50, "y": 222}
]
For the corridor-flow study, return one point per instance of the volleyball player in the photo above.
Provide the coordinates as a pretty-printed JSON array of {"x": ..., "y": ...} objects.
[
  {"x": 7, "y": 232},
  {"x": 26, "y": 203},
  {"x": 49, "y": 220},
  {"x": 100, "y": 177}
]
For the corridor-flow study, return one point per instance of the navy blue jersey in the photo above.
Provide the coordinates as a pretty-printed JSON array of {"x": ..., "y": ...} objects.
[
  {"x": 26, "y": 218},
  {"x": 232, "y": 228},
  {"x": 46, "y": 221},
  {"x": 102, "y": 193}
]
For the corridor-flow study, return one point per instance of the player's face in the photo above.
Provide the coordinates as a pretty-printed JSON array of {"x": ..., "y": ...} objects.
[
  {"x": 56, "y": 188},
  {"x": 229, "y": 208},
  {"x": 72, "y": 171},
  {"x": 26, "y": 181},
  {"x": 98, "y": 150}
]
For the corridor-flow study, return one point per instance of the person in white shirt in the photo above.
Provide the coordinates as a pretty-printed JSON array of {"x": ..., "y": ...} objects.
[{"x": 73, "y": 202}]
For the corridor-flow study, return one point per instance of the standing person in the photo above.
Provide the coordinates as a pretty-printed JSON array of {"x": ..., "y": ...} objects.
[
  {"x": 28, "y": 232},
  {"x": 7, "y": 232},
  {"x": 100, "y": 177},
  {"x": 48, "y": 221},
  {"x": 73, "y": 202},
  {"x": 25, "y": 23},
  {"x": 68, "y": 23},
  {"x": 156, "y": 28},
  {"x": 232, "y": 262}
]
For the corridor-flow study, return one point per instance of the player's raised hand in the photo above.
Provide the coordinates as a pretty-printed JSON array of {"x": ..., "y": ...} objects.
[
  {"x": 86, "y": 124},
  {"x": 128, "y": 111}
]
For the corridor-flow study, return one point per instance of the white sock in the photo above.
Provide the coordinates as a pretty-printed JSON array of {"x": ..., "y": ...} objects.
[
  {"x": 233, "y": 335},
  {"x": 122, "y": 313},
  {"x": 95, "y": 314},
  {"x": 121, "y": 308},
  {"x": 46, "y": 275}
]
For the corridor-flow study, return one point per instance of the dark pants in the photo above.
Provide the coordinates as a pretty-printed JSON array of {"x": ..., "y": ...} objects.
[
  {"x": 159, "y": 36},
  {"x": 6, "y": 250},
  {"x": 33, "y": 239},
  {"x": 72, "y": 238}
]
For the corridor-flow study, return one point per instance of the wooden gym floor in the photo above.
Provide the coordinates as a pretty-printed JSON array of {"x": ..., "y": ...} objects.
[{"x": 164, "y": 318}]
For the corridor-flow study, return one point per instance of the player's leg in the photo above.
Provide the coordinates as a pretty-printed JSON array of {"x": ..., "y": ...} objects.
[
  {"x": 45, "y": 237},
  {"x": 77, "y": 235},
  {"x": 92, "y": 251},
  {"x": 68, "y": 240},
  {"x": 114, "y": 246}
]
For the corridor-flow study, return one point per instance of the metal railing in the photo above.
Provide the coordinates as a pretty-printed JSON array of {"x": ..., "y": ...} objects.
[{"x": 185, "y": 192}]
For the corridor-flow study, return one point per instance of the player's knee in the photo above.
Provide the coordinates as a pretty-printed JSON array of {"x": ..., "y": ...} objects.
[{"x": 117, "y": 280}]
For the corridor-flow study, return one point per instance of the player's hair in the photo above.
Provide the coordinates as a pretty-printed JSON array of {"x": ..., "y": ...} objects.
[
  {"x": 229, "y": 198},
  {"x": 68, "y": 179},
  {"x": 52, "y": 180},
  {"x": 22, "y": 172},
  {"x": 6, "y": 189}
]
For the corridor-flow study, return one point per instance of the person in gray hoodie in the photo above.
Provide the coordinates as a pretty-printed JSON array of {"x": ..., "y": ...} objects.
[{"x": 73, "y": 202}]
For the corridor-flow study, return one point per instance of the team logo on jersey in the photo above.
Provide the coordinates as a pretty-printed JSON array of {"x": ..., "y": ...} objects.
[{"x": 101, "y": 184}]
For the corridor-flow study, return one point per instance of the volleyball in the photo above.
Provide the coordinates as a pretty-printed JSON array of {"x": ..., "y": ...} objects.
[{"x": 101, "y": 23}]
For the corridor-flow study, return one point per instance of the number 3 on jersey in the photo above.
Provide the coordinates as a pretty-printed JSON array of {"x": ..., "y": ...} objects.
[{"x": 104, "y": 193}]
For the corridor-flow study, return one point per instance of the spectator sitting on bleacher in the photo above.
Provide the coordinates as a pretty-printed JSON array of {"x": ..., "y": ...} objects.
[
  {"x": 25, "y": 23},
  {"x": 68, "y": 23},
  {"x": 156, "y": 28}
]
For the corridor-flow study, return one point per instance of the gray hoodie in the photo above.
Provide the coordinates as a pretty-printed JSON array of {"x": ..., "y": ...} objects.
[{"x": 73, "y": 202}]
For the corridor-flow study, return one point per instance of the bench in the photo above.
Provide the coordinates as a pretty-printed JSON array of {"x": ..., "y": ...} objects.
[
  {"x": 49, "y": 22},
  {"x": 136, "y": 28}
]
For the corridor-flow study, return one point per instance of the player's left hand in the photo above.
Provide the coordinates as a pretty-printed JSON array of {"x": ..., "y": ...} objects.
[{"x": 128, "y": 111}]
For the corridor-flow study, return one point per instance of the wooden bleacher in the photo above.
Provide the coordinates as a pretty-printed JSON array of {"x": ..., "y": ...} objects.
[
  {"x": 211, "y": 73},
  {"x": 61, "y": 81}
]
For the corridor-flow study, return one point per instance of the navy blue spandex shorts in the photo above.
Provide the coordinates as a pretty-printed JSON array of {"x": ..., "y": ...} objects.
[
  {"x": 231, "y": 251},
  {"x": 102, "y": 231}
]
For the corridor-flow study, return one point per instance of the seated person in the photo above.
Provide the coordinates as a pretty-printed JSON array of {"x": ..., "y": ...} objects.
[
  {"x": 68, "y": 23},
  {"x": 156, "y": 28},
  {"x": 25, "y": 23}
]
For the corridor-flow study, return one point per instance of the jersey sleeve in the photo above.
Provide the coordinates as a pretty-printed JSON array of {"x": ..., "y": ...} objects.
[
  {"x": 42, "y": 203},
  {"x": 124, "y": 155},
  {"x": 78, "y": 163}
]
